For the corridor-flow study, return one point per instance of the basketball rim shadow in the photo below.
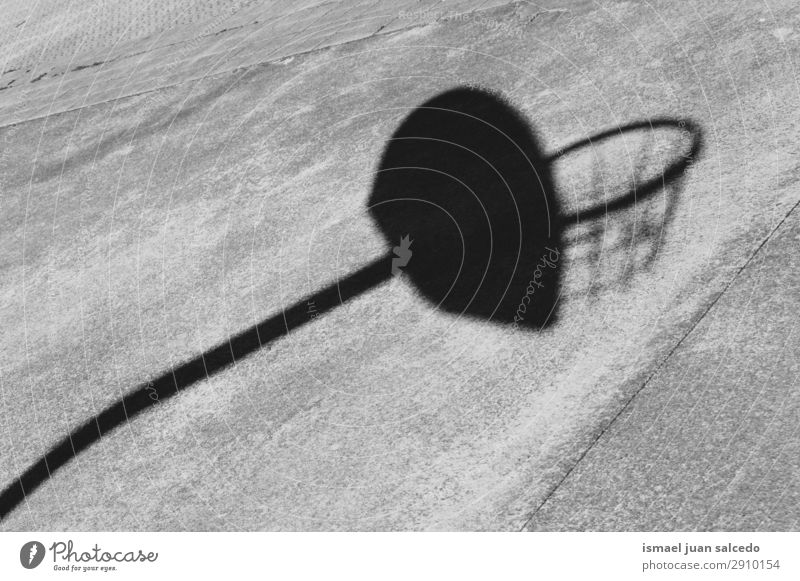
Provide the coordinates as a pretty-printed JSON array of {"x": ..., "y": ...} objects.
[{"x": 464, "y": 177}]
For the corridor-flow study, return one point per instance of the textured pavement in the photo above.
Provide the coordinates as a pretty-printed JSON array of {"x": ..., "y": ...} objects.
[
  {"x": 712, "y": 441},
  {"x": 215, "y": 169},
  {"x": 81, "y": 53}
]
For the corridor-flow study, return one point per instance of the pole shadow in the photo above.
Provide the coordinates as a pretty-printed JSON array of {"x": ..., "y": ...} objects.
[{"x": 465, "y": 190}]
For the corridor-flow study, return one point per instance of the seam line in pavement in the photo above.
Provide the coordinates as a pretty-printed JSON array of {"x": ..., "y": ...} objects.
[
  {"x": 658, "y": 368},
  {"x": 314, "y": 50}
]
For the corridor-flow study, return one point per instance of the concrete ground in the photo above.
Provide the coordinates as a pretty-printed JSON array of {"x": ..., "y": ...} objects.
[{"x": 173, "y": 174}]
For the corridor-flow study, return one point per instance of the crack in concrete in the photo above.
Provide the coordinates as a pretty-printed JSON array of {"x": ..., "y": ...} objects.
[
  {"x": 658, "y": 367},
  {"x": 311, "y": 51}
]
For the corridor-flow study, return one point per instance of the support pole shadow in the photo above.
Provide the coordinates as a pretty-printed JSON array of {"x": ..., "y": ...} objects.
[{"x": 465, "y": 179}]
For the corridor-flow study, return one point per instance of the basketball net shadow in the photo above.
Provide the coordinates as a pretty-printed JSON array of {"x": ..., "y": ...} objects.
[{"x": 464, "y": 180}]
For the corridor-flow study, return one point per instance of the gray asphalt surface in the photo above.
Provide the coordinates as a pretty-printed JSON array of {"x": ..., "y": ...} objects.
[{"x": 159, "y": 202}]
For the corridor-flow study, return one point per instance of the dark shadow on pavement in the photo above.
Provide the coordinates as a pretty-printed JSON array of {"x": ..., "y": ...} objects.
[
  {"x": 465, "y": 182},
  {"x": 465, "y": 178}
]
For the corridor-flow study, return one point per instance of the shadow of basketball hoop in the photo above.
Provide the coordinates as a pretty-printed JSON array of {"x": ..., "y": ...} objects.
[{"x": 464, "y": 178}]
